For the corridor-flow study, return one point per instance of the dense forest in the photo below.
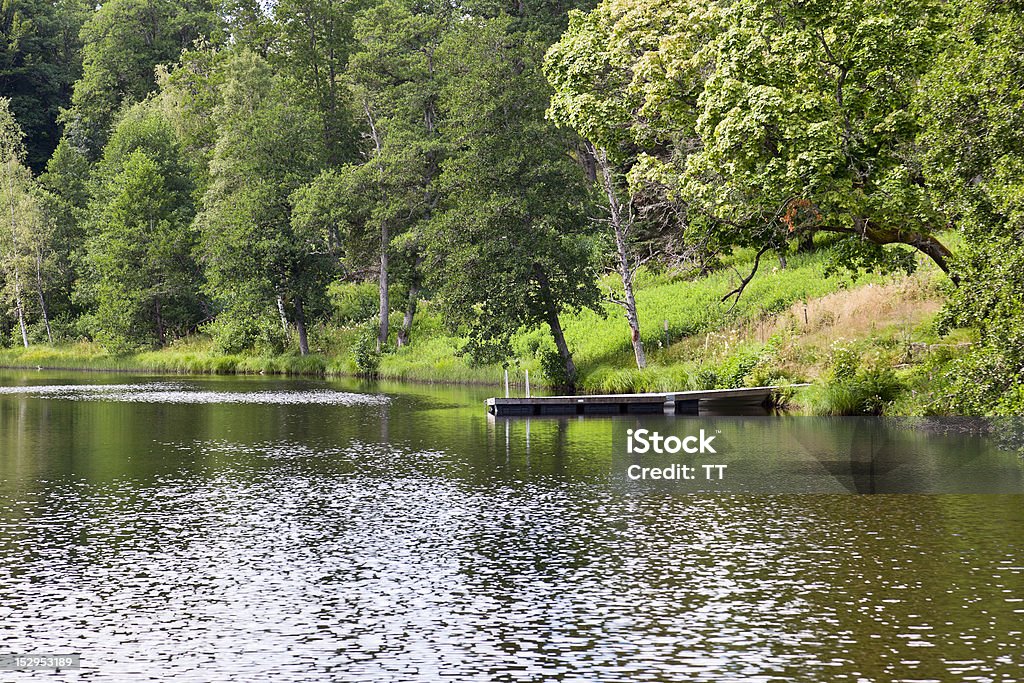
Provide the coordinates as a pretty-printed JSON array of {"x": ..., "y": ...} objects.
[{"x": 174, "y": 168}]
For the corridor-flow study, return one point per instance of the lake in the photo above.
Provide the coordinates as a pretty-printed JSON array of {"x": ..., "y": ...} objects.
[{"x": 243, "y": 529}]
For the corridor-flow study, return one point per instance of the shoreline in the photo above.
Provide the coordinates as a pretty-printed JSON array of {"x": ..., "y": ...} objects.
[{"x": 325, "y": 374}]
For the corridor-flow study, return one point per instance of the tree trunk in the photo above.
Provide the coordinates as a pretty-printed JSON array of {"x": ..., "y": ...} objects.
[
  {"x": 551, "y": 312},
  {"x": 588, "y": 160},
  {"x": 14, "y": 256},
  {"x": 385, "y": 239},
  {"x": 21, "y": 309},
  {"x": 385, "y": 308},
  {"x": 625, "y": 267},
  {"x": 410, "y": 307},
  {"x": 42, "y": 299},
  {"x": 410, "y": 312},
  {"x": 300, "y": 326},
  {"x": 282, "y": 314},
  {"x": 160, "y": 335}
]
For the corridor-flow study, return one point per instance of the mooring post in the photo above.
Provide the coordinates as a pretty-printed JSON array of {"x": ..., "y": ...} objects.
[
  {"x": 527, "y": 384},
  {"x": 506, "y": 382}
]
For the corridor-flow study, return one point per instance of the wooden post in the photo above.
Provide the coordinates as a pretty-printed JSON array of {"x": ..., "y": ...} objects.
[
  {"x": 527, "y": 384},
  {"x": 506, "y": 383},
  {"x": 666, "y": 334}
]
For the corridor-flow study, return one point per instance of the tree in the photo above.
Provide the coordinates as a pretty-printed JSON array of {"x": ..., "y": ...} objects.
[
  {"x": 509, "y": 248},
  {"x": 15, "y": 178},
  {"x": 971, "y": 108},
  {"x": 255, "y": 261},
  {"x": 124, "y": 40},
  {"x": 140, "y": 275},
  {"x": 25, "y": 242},
  {"x": 40, "y": 59},
  {"x": 315, "y": 41},
  {"x": 589, "y": 72},
  {"x": 65, "y": 185},
  {"x": 394, "y": 77},
  {"x": 769, "y": 121},
  {"x": 544, "y": 19}
]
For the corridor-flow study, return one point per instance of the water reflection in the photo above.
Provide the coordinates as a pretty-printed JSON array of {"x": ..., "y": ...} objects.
[{"x": 410, "y": 539}]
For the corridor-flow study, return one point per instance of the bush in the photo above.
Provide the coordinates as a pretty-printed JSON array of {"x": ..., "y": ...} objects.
[
  {"x": 365, "y": 354},
  {"x": 868, "y": 392},
  {"x": 734, "y": 370},
  {"x": 233, "y": 334},
  {"x": 705, "y": 378},
  {"x": 843, "y": 363},
  {"x": 552, "y": 370},
  {"x": 353, "y": 302}
]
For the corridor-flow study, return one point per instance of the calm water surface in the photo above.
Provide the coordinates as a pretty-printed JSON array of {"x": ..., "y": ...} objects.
[{"x": 271, "y": 530}]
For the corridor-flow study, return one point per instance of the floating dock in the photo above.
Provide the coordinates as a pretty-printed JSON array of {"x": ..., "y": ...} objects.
[{"x": 673, "y": 402}]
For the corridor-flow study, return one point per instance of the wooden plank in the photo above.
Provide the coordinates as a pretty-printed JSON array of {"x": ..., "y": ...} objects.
[{"x": 682, "y": 402}]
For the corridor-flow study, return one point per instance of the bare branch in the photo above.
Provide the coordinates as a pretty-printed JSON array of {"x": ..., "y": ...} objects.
[{"x": 738, "y": 292}]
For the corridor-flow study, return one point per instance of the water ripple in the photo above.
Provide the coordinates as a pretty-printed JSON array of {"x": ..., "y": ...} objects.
[{"x": 163, "y": 392}]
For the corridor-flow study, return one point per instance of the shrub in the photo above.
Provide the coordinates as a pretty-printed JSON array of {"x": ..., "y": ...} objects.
[
  {"x": 843, "y": 363},
  {"x": 552, "y": 369},
  {"x": 705, "y": 378},
  {"x": 734, "y": 370},
  {"x": 365, "y": 354},
  {"x": 868, "y": 392},
  {"x": 353, "y": 302}
]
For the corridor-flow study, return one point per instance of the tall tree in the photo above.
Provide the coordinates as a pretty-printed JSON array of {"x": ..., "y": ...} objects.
[
  {"x": 66, "y": 185},
  {"x": 508, "y": 248},
  {"x": 266, "y": 150},
  {"x": 27, "y": 235},
  {"x": 394, "y": 76},
  {"x": 971, "y": 107},
  {"x": 124, "y": 40},
  {"x": 770, "y": 121},
  {"x": 140, "y": 275},
  {"x": 586, "y": 70},
  {"x": 315, "y": 40},
  {"x": 40, "y": 59}
]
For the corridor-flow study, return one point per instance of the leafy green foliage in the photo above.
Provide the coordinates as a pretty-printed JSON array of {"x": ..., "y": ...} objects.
[
  {"x": 40, "y": 59},
  {"x": 252, "y": 252},
  {"x": 972, "y": 109},
  {"x": 352, "y": 303},
  {"x": 124, "y": 40},
  {"x": 140, "y": 276},
  {"x": 365, "y": 353},
  {"x": 26, "y": 255},
  {"x": 314, "y": 42},
  {"x": 509, "y": 249},
  {"x": 869, "y": 392},
  {"x": 762, "y": 121}
]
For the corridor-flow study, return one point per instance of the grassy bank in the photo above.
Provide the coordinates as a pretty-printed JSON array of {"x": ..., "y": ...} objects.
[{"x": 868, "y": 343}]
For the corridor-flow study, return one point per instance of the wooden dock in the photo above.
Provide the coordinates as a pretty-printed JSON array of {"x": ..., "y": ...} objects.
[{"x": 673, "y": 402}]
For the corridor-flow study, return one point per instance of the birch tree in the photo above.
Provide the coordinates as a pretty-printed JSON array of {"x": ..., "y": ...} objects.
[{"x": 15, "y": 180}]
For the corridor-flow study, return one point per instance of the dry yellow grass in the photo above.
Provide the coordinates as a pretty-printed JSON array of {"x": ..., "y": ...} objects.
[{"x": 810, "y": 329}]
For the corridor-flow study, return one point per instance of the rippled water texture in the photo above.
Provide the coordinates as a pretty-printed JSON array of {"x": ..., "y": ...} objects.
[
  {"x": 161, "y": 392},
  {"x": 402, "y": 536}
]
